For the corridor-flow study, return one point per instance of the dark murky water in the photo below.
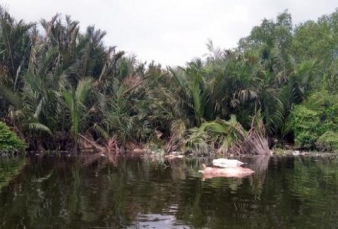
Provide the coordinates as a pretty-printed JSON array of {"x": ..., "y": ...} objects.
[{"x": 300, "y": 192}]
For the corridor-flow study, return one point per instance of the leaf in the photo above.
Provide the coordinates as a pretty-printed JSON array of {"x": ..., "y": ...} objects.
[{"x": 40, "y": 127}]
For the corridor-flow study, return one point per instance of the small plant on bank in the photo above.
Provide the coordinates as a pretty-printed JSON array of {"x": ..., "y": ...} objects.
[
  {"x": 9, "y": 141},
  {"x": 328, "y": 141},
  {"x": 315, "y": 123}
]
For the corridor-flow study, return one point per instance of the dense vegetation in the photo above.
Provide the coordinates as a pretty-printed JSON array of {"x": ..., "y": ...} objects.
[
  {"x": 62, "y": 89},
  {"x": 9, "y": 142}
]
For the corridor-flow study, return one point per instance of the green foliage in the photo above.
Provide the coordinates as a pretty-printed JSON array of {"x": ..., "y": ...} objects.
[
  {"x": 304, "y": 123},
  {"x": 314, "y": 120},
  {"x": 9, "y": 141},
  {"x": 328, "y": 141},
  {"x": 62, "y": 83},
  {"x": 317, "y": 39},
  {"x": 218, "y": 134},
  {"x": 75, "y": 102}
]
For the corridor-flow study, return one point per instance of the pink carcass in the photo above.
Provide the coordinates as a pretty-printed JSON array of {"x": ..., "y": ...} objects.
[{"x": 237, "y": 172}]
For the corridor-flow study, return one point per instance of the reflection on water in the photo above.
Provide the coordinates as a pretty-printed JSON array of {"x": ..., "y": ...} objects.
[
  {"x": 289, "y": 192},
  {"x": 9, "y": 168},
  {"x": 157, "y": 221}
]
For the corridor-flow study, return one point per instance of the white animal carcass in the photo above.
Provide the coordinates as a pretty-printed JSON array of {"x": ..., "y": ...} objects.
[{"x": 225, "y": 163}]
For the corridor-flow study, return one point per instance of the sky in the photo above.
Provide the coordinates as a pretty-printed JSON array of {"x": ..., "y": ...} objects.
[{"x": 170, "y": 32}]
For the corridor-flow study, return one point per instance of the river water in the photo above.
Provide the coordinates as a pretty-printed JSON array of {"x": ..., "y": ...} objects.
[{"x": 65, "y": 192}]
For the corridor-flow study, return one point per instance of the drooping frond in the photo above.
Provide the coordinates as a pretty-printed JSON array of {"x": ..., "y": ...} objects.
[
  {"x": 82, "y": 89},
  {"x": 36, "y": 126},
  {"x": 12, "y": 97}
]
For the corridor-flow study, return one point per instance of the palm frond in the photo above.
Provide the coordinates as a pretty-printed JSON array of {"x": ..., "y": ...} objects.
[
  {"x": 82, "y": 89},
  {"x": 12, "y": 97},
  {"x": 36, "y": 126}
]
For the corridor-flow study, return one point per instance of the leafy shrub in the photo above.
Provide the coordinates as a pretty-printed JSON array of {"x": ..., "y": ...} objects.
[
  {"x": 313, "y": 119},
  {"x": 304, "y": 123},
  {"x": 9, "y": 141},
  {"x": 328, "y": 141}
]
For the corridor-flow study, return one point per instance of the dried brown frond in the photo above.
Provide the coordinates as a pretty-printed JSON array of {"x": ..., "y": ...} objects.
[
  {"x": 110, "y": 149},
  {"x": 132, "y": 81},
  {"x": 255, "y": 144}
]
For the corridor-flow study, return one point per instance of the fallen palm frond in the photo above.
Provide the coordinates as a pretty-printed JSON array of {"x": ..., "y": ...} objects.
[
  {"x": 229, "y": 137},
  {"x": 254, "y": 144},
  {"x": 217, "y": 135},
  {"x": 109, "y": 149},
  {"x": 178, "y": 130}
]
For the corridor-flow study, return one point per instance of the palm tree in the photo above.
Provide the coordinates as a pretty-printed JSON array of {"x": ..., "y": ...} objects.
[
  {"x": 75, "y": 100},
  {"x": 192, "y": 89},
  {"x": 14, "y": 47},
  {"x": 14, "y": 53}
]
